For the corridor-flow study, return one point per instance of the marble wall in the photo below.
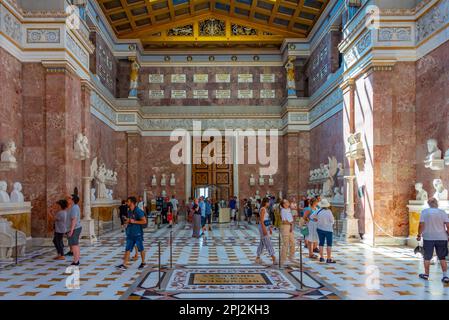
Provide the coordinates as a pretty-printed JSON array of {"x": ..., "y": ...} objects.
[{"x": 432, "y": 114}]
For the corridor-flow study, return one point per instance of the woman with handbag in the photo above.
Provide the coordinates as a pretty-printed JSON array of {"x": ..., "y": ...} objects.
[
  {"x": 310, "y": 224},
  {"x": 264, "y": 228}
]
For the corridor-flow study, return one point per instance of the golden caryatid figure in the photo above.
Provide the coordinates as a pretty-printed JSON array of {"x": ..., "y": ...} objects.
[
  {"x": 134, "y": 79},
  {"x": 291, "y": 82}
]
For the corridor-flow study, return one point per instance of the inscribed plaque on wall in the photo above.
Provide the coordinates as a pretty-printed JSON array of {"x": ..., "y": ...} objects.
[
  {"x": 245, "y": 77},
  {"x": 223, "y": 94},
  {"x": 156, "y": 78},
  {"x": 178, "y": 78},
  {"x": 245, "y": 94},
  {"x": 201, "y": 78},
  {"x": 267, "y": 94},
  {"x": 267, "y": 77},
  {"x": 200, "y": 94},
  {"x": 178, "y": 94},
  {"x": 223, "y": 77},
  {"x": 156, "y": 94}
]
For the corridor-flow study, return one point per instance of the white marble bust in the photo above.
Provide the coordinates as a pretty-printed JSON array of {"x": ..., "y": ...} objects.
[
  {"x": 92, "y": 194},
  {"x": 16, "y": 194},
  {"x": 8, "y": 154},
  {"x": 440, "y": 191},
  {"x": 433, "y": 152},
  {"x": 270, "y": 180},
  {"x": 252, "y": 180},
  {"x": 164, "y": 193},
  {"x": 257, "y": 196},
  {"x": 261, "y": 180},
  {"x": 338, "y": 196},
  {"x": 421, "y": 194},
  {"x": 172, "y": 179},
  {"x": 4, "y": 196},
  {"x": 154, "y": 181},
  {"x": 163, "y": 180}
]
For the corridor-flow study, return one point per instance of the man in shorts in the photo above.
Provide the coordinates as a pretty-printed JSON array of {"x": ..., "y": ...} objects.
[
  {"x": 74, "y": 227},
  {"x": 433, "y": 228},
  {"x": 134, "y": 232}
]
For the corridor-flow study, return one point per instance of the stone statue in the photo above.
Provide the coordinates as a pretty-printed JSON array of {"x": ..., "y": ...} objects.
[
  {"x": 92, "y": 194},
  {"x": 252, "y": 181},
  {"x": 134, "y": 79},
  {"x": 261, "y": 181},
  {"x": 154, "y": 181},
  {"x": 16, "y": 194},
  {"x": 110, "y": 196},
  {"x": 433, "y": 152},
  {"x": 164, "y": 193},
  {"x": 270, "y": 180},
  {"x": 421, "y": 194},
  {"x": 4, "y": 196},
  {"x": 338, "y": 197},
  {"x": 446, "y": 157},
  {"x": 81, "y": 147},
  {"x": 85, "y": 147},
  {"x": 340, "y": 170},
  {"x": 172, "y": 180},
  {"x": 291, "y": 83},
  {"x": 330, "y": 170},
  {"x": 114, "y": 177},
  {"x": 257, "y": 196},
  {"x": 163, "y": 180},
  {"x": 8, "y": 154},
  {"x": 440, "y": 190},
  {"x": 100, "y": 179}
]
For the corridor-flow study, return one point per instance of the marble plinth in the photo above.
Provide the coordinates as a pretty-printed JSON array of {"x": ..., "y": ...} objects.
[
  {"x": 224, "y": 215},
  {"x": 350, "y": 230},
  {"x": 88, "y": 230},
  {"x": 7, "y": 166},
  {"x": 436, "y": 164},
  {"x": 19, "y": 214}
]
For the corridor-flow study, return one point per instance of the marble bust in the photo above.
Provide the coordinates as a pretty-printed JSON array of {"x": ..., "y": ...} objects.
[
  {"x": 421, "y": 194},
  {"x": 172, "y": 179},
  {"x": 4, "y": 196},
  {"x": 16, "y": 194},
  {"x": 261, "y": 180},
  {"x": 154, "y": 181},
  {"x": 440, "y": 191},
  {"x": 257, "y": 196},
  {"x": 270, "y": 181},
  {"x": 163, "y": 180},
  {"x": 252, "y": 180},
  {"x": 164, "y": 193},
  {"x": 338, "y": 196},
  {"x": 92, "y": 194},
  {"x": 433, "y": 153},
  {"x": 8, "y": 154}
]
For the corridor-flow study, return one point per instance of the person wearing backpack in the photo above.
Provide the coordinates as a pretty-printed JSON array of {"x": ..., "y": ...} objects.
[
  {"x": 134, "y": 233},
  {"x": 325, "y": 227}
]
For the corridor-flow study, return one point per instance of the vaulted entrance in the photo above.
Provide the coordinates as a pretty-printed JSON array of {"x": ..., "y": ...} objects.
[{"x": 214, "y": 180}]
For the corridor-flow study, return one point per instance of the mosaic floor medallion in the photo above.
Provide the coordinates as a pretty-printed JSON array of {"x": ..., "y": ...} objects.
[{"x": 229, "y": 282}]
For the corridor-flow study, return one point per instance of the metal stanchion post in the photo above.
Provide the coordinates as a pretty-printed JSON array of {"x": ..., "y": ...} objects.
[
  {"x": 159, "y": 272},
  {"x": 112, "y": 220},
  {"x": 98, "y": 225},
  {"x": 17, "y": 248},
  {"x": 279, "y": 248},
  {"x": 171, "y": 249},
  {"x": 300, "y": 261}
]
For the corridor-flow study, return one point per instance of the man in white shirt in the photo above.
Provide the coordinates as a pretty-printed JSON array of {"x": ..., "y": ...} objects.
[
  {"x": 287, "y": 233},
  {"x": 433, "y": 228},
  {"x": 174, "y": 203}
]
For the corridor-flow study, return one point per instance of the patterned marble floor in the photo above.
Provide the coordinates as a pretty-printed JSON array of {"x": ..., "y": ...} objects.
[{"x": 362, "y": 272}]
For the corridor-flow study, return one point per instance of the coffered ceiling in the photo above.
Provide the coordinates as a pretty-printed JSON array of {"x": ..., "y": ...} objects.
[{"x": 213, "y": 23}]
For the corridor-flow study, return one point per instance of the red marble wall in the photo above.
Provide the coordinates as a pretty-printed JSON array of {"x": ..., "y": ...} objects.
[
  {"x": 11, "y": 116},
  {"x": 432, "y": 112}
]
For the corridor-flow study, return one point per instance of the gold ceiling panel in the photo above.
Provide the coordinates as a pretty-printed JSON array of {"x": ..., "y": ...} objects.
[{"x": 206, "y": 23}]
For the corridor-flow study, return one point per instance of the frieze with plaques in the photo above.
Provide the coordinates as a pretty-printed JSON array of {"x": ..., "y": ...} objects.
[
  {"x": 245, "y": 78},
  {"x": 156, "y": 78},
  {"x": 178, "y": 94},
  {"x": 156, "y": 94},
  {"x": 245, "y": 94},
  {"x": 178, "y": 78},
  {"x": 267, "y": 94},
  {"x": 222, "y": 78},
  {"x": 183, "y": 31},
  {"x": 200, "y": 94},
  {"x": 267, "y": 78},
  {"x": 201, "y": 78},
  {"x": 223, "y": 94}
]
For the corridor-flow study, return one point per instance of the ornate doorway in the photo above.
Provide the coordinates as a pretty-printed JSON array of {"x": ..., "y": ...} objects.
[{"x": 217, "y": 178}]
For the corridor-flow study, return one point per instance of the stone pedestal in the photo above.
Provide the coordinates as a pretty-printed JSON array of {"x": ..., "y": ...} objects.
[
  {"x": 19, "y": 214},
  {"x": 88, "y": 231},
  {"x": 104, "y": 214},
  {"x": 350, "y": 230},
  {"x": 224, "y": 215}
]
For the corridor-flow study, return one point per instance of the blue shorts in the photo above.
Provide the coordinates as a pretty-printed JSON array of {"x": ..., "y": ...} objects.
[
  {"x": 132, "y": 241},
  {"x": 203, "y": 221},
  {"x": 325, "y": 236}
]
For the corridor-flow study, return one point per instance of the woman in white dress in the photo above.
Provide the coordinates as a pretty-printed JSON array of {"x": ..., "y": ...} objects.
[{"x": 312, "y": 237}]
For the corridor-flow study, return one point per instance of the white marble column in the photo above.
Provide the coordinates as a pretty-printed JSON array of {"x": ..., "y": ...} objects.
[
  {"x": 87, "y": 223},
  {"x": 350, "y": 224}
]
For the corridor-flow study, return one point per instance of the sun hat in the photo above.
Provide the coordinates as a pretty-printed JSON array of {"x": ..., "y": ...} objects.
[{"x": 324, "y": 203}]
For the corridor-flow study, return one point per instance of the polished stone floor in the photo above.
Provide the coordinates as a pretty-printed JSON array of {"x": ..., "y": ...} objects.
[{"x": 362, "y": 272}]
